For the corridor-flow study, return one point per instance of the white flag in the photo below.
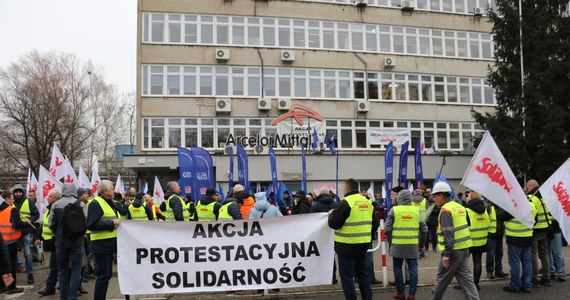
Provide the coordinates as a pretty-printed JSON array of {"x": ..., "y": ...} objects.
[
  {"x": 411, "y": 188},
  {"x": 554, "y": 193},
  {"x": 57, "y": 165},
  {"x": 489, "y": 174},
  {"x": 33, "y": 183},
  {"x": 145, "y": 188},
  {"x": 47, "y": 183},
  {"x": 119, "y": 188},
  {"x": 83, "y": 179},
  {"x": 1, "y": 200},
  {"x": 158, "y": 193},
  {"x": 370, "y": 192},
  {"x": 95, "y": 181},
  {"x": 69, "y": 174},
  {"x": 29, "y": 183},
  {"x": 384, "y": 195}
]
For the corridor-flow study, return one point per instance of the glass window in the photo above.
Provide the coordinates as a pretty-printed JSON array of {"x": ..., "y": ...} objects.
[
  {"x": 346, "y": 138},
  {"x": 205, "y": 85},
  {"x": 299, "y": 37},
  {"x": 173, "y": 85},
  {"x": 253, "y": 35},
  {"x": 190, "y": 137},
  {"x": 223, "y": 34},
  {"x": 223, "y": 134},
  {"x": 207, "y": 137},
  {"x": 206, "y": 34},
  {"x": 174, "y": 28},
  {"x": 157, "y": 28},
  {"x": 284, "y": 36},
  {"x": 174, "y": 137},
  {"x": 157, "y": 137},
  {"x": 361, "y": 139},
  {"x": 189, "y": 85},
  {"x": 300, "y": 87}
]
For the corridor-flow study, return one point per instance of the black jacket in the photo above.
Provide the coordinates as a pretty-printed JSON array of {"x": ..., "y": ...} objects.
[
  {"x": 34, "y": 213},
  {"x": 233, "y": 209},
  {"x": 95, "y": 223},
  {"x": 303, "y": 206},
  {"x": 336, "y": 221},
  {"x": 324, "y": 203}
]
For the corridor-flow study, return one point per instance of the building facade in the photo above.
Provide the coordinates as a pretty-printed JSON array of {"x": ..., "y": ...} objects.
[{"x": 211, "y": 71}]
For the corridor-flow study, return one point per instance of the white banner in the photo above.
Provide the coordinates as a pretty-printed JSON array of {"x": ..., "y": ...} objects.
[
  {"x": 185, "y": 257},
  {"x": 554, "y": 193},
  {"x": 384, "y": 137},
  {"x": 489, "y": 174}
]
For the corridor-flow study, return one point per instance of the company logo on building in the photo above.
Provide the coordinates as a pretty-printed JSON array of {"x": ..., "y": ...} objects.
[{"x": 299, "y": 134}]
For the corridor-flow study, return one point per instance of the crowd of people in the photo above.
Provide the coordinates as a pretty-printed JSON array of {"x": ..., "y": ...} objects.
[{"x": 80, "y": 231}]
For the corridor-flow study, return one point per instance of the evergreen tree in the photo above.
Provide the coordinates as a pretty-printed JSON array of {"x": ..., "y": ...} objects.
[{"x": 532, "y": 131}]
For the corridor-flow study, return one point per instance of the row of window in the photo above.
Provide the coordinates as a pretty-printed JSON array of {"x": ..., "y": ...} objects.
[
  {"x": 209, "y": 133},
  {"x": 313, "y": 34},
  {"x": 233, "y": 81},
  {"x": 450, "y": 6}
]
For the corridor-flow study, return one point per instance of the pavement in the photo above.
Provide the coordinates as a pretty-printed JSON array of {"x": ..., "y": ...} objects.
[{"x": 490, "y": 289}]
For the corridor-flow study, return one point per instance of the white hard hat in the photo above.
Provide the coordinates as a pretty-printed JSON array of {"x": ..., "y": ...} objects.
[{"x": 441, "y": 187}]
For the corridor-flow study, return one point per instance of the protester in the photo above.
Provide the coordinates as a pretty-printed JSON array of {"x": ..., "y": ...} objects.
[
  {"x": 49, "y": 245},
  {"x": 174, "y": 205},
  {"x": 5, "y": 265},
  {"x": 138, "y": 211},
  {"x": 262, "y": 209},
  {"x": 354, "y": 224},
  {"x": 539, "y": 236},
  {"x": 379, "y": 207},
  {"x": 494, "y": 255},
  {"x": 229, "y": 209},
  {"x": 478, "y": 221},
  {"x": 519, "y": 249},
  {"x": 208, "y": 207},
  {"x": 11, "y": 226},
  {"x": 120, "y": 206},
  {"x": 302, "y": 205},
  {"x": 420, "y": 202},
  {"x": 431, "y": 222},
  {"x": 29, "y": 214},
  {"x": 454, "y": 242},
  {"x": 244, "y": 199},
  {"x": 324, "y": 203},
  {"x": 103, "y": 221},
  {"x": 190, "y": 206},
  {"x": 405, "y": 231},
  {"x": 556, "y": 253},
  {"x": 69, "y": 249},
  {"x": 286, "y": 203}
]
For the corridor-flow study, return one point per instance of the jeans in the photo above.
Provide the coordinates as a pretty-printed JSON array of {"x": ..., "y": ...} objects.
[
  {"x": 494, "y": 254},
  {"x": 53, "y": 271},
  {"x": 557, "y": 257},
  {"x": 520, "y": 256},
  {"x": 348, "y": 268},
  {"x": 432, "y": 237},
  {"x": 104, "y": 271},
  {"x": 413, "y": 268},
  {"x": 26, "y": 243},
  {"x": 69, "y": 261},
  {"x": 13, "y": 252}
]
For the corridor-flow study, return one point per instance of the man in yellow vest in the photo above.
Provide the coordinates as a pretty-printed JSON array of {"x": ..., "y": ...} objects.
[
  {"x": 49, "y": 245},
  {"x": 420, "y": 202},
  {"x": 539, "y": 236},
  {"x": 354, "y": 224},
  {"x": 519, "y": 249},
  {"x": 208, "y": 207},
  {"x": 405, "y": 230},
  {"x": 174, "y": 203},
  {"x": 229, "y": 209},
  {"x": 454, "y": 241},
  {"x": 103, "y": 220},
  {"x": 479, "y": 222},
  {"x": 138, "y": 211},
  {"x": 29, "y": 214},
  {"x": 495, "y": 243}
]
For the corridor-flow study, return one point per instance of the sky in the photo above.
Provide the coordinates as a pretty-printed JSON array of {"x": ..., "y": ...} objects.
[{"x": 103, "y": 31}]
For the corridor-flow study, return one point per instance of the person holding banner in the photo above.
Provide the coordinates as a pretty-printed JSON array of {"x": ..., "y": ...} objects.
[
  {"x": 454, "y": 241},
  {"x": 540, "y": 238},
  {"x": 49, "y": 245},
  {"x": 138, "y": 211},
  {"x": 229, "y": 209},
  {"x": 208, "y": 207},
  {"x": 102, "y": 220},
  {"x": 354, "y": 223}
]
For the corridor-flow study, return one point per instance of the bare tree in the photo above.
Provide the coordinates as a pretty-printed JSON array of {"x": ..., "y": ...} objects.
[{"x": 48, "y": 98}]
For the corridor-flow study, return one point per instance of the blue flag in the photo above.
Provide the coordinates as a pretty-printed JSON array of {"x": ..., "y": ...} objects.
[
  {"x": 282, "y": 189},
  {"x": 186, "y": 169},
  {"x": 403, "y": 175},
  {"x": 204, "y": 172},
  {"x": 221, "y": 192},
  {"x": 315, "y": 139},
  {"x": 304, "y": 168},
  {"x": 274, "y": 184},
  {"x": 389, "y": 171},
  {"x": 231, "y": 175},
  {"x": 329, "y": 141},
  {"x": 418, "y": 165},
  {"x": 440, "y": 177},
  {"x": 243, "y": 168}
]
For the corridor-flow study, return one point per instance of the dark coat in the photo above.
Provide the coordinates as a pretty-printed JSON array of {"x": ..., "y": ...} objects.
[{"x": 324, "y": 203}]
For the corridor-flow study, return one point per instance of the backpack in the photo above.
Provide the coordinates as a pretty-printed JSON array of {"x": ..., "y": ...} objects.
[{"x": 74, "y": 220}]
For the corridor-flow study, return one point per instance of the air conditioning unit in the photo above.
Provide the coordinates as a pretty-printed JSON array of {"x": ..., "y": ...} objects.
[
  {"x": 408, "y": 5},
  {"x": 359, "y": 3},
  {"x": 287, "y": 56},
  {"x": 258, "y": 149},
  {"x": 223, "y": 105},
  {"x": 283, "y": 103},
  {"x": 229, "y": 149},
  {"x": 222, "y": 54},
  {"x": 264, "y": 104},
  {"x": 477, "y": 11},
  {"x": 389, "y": 62},
  {"x": 363, "y": 105}
]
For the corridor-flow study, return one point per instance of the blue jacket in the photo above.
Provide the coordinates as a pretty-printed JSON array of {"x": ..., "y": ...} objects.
[{"x": 262, "y": 205}]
